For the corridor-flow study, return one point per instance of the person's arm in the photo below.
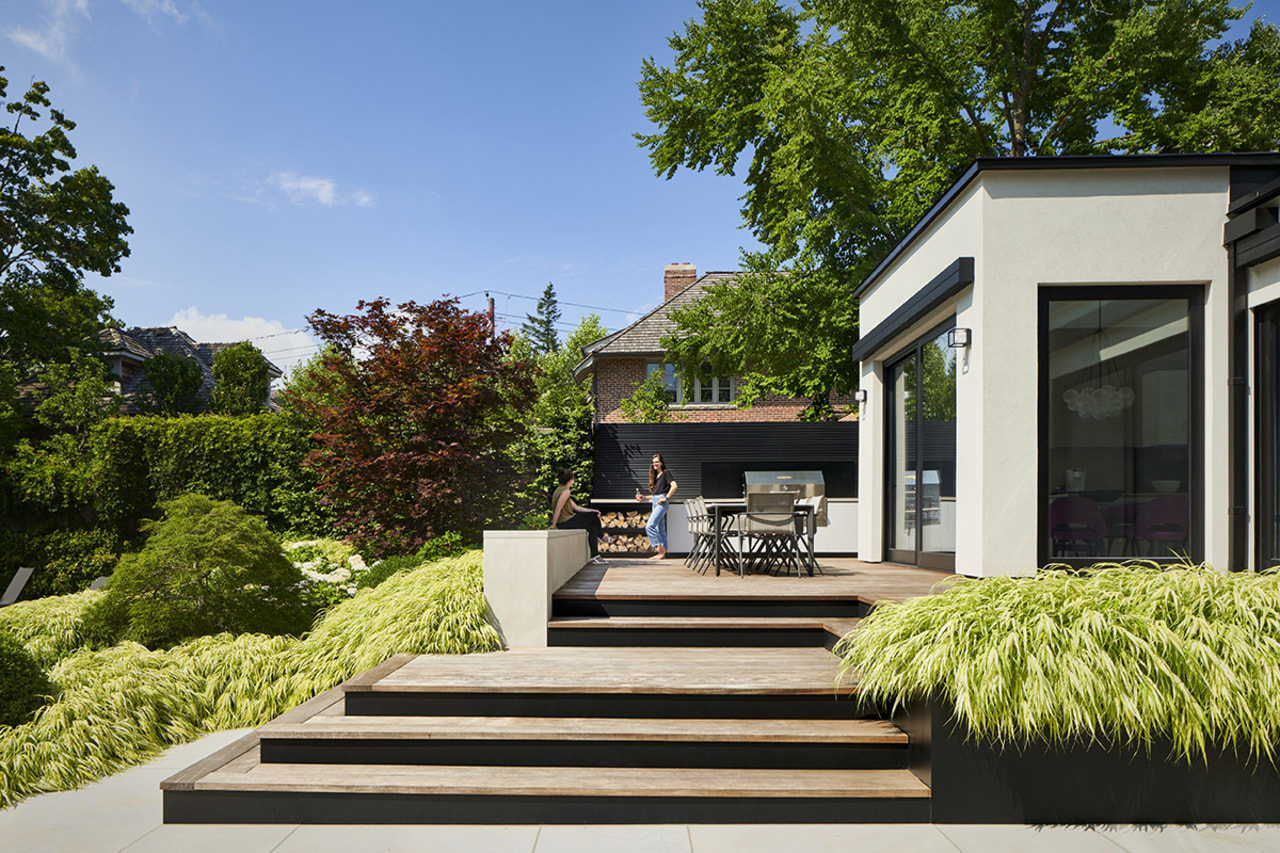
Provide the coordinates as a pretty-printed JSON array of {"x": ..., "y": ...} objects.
[{"x": 670, "y": 491}]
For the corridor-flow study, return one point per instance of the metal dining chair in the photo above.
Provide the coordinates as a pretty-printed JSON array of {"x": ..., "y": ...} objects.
[{"x": 767, "y": 533}]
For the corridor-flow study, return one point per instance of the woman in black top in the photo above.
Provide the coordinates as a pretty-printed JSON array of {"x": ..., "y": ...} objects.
[{"x": 661, "y": 487}]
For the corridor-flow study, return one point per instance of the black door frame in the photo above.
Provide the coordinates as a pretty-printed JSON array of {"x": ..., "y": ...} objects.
[
  {"x": 921, "y": 559},
  {"x": 1266, "y": 367}
]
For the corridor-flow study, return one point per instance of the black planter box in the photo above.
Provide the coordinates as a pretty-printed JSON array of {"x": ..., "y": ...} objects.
[{"x": 1085, "y": 783}]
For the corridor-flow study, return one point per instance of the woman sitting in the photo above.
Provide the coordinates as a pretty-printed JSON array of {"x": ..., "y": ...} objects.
[{"x": 567, "y": 515}]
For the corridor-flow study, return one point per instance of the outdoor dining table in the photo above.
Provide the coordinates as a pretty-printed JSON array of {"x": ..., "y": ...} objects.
[{"x": 722, "y": 509}]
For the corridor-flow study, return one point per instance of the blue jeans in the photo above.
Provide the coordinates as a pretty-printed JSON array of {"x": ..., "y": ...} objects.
[{"x": 656, "y": 529}]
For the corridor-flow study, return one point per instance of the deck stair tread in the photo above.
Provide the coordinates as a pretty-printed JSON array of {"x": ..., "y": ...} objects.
[
  {"x": 325, "y": 726},
  {"x": 568, "y": 781},
  {"x": 641, "y": 669}
]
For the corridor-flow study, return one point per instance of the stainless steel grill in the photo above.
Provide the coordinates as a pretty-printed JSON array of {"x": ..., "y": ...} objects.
[{"x": 806, "y": 484}]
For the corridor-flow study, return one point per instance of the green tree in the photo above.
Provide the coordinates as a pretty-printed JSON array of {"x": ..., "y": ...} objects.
[
  {"x": 56, "y": 224},
  {"x": 852, "y": 116},
  {"x": 540, "y": 328},
  {"x": 207, "y": 567},
  {"x": 242, "y": 384},
  {"x": 649, "y": 403},
  {"x": 560, "y": 422},
  {"x": 174, "y": 382},
  {"x": 58, "y": 472}
]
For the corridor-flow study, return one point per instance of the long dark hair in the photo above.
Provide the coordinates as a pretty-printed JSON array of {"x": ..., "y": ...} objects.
[{"x": 653, "y": 478}]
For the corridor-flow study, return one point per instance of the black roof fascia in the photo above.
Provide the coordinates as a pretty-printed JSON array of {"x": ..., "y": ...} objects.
[
  {"x": 1016, "y": 164},
  {"x": 956, "y": 277}
]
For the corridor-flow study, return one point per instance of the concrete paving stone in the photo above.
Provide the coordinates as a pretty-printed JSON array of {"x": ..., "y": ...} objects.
[
  {"x": 1018, "y": 838},
  {"x": 404, "y": 839},
  {"x": 200, "y": 838},
  {"x": 614, "y": 839},
  {"x": 821, "y": 838},
  {"x": 1203, "y": 838}
]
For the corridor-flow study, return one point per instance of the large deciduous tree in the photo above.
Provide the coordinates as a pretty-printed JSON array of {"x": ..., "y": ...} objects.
[
  {"x": 414, "y": 406},
  {"x": 56, "y": 224},
  {"x": 242, "y": 383},
  {"x": 852, "y": 116}
]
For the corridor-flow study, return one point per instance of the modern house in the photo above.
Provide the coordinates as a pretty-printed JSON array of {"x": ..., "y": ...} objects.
[
  {"x": 127, "y": 351},
  {"x": 1074, "y": 359},
  {"x": 618, "y": 363}
]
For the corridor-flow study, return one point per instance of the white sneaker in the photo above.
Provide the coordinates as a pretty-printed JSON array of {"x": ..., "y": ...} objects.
[{"x": 599, "y": 561}]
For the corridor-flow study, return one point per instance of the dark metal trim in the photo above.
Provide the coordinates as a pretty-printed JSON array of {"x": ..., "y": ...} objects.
[
  {"x": 943, "y": 286},
  {"x": 1194, "y": 294}
]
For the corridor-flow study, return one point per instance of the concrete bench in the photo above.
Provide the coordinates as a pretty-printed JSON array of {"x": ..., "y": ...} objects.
[{"x": 522, "y": 569}]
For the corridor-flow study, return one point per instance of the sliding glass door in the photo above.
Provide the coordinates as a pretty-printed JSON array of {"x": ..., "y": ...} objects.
[{"x": 920, "y": 494}]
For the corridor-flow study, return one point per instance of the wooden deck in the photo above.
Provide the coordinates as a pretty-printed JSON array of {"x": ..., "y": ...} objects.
[
  {"x": 841, "y": 578},
  {"x": 632, "y": 717}
]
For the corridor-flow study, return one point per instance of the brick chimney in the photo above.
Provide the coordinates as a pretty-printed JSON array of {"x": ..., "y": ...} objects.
[{"x": 676, "y": 277}]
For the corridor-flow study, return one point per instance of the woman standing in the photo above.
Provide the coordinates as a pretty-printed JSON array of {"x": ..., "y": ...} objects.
[
  {"x": 661, "y": 487},
  {"x": 567, "y": 515}
]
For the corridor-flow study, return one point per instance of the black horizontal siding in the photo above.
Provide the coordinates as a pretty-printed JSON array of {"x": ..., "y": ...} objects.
[{"x": 709, "y": 459}]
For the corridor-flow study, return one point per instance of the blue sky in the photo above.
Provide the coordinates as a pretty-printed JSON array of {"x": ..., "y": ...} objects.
[
  {"x": 283, "y": 156},
  {"x": 280, "y": 156}
]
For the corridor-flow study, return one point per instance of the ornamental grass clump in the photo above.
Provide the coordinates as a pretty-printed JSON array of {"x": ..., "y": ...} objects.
[
  {"x": 1119, "y": 653},
  {"x": 51, "y": 628},
  {"x": 124, "y": 705}
]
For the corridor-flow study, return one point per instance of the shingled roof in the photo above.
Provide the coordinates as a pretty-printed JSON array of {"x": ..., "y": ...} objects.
[{"x": 644, "y": 336}]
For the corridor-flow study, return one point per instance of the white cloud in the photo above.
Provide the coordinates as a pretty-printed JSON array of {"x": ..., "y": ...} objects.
[
  {"x": 285, "y": 348},
  {"x": 308, "y": 189},
  {"x": 149, "y": 9},
  {"x": 51, "y": 42}
]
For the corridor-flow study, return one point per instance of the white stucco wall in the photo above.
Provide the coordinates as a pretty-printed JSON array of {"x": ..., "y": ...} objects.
[{"x": 1026, "y": 229}]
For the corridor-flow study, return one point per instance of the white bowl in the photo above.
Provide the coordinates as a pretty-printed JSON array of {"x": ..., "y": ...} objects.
[{"x": 1166, "y": 487}]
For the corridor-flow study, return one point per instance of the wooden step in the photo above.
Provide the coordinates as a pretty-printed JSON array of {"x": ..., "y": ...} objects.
[
  {"x": 705, "y": 631},
  {"x": 244, "y": 790},
  {"x": 336, "y": 727}
]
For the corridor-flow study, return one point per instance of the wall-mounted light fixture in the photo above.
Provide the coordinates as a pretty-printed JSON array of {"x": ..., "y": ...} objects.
[
  {"x": 860, "y": 396},
  {"x": 957, "y": 338}
]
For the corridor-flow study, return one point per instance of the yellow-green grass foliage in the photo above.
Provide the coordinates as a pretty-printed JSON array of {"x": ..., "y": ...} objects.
[
  {"x": 124, "y": 705},
  {"x": 1119, "y": 654}
]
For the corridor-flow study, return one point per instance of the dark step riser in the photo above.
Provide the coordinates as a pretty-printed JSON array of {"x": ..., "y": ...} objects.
[
  {"x": 773, "y": 638},
  {"x": 546, "y": 753},
  {"x": 736, "y": 609},
  {"x": 324, "y": 808},
  {"x": 654, "y": 705}
]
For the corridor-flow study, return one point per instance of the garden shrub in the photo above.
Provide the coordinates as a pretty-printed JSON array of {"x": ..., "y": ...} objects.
[
  {"x": 124, "y": 705},
  {"x": 24, "y": 687},
  {"x": 384, "y": 569},
  {"x": 1120, "y": 653},
  {"x": 69, "y": 561},
  {"x": 51, "y": 628},
  {"x": 446, "y": 545},
  {"x": 207, "y": 567}
]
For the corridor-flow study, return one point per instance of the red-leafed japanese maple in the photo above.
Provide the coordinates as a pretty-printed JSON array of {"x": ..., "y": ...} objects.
[{"x": 413, "y": 407}]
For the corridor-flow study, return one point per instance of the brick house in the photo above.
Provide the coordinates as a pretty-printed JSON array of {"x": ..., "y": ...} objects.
[
  {"x": 127, "y": 352},
  {"x": 619, "y": 362}
]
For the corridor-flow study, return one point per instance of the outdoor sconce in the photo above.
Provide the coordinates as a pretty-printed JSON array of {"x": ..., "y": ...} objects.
[
  {"x": 957, "y": 338},
  {"x": 860, "y": 396}
]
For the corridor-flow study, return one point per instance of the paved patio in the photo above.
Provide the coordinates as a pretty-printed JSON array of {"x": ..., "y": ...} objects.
[{"x": 122, "y": 813}]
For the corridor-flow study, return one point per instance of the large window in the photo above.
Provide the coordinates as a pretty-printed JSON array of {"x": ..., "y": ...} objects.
[
  {"x": 1120, "y": 420},
  {"x": 1267, "y": 396},
  {"x": 707, "y": 390},
  {"x": 920, "y": 489}
]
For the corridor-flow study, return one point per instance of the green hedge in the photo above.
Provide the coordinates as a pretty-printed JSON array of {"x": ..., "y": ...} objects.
[{"x": 254, "y": 461}]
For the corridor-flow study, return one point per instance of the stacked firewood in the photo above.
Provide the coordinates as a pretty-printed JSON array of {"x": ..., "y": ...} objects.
[{"x": 626, "y": 528}]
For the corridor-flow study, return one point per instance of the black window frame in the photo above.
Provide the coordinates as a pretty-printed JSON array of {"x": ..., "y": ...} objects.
[
  {"x": 1266, "y": 374},
  {"x": 1195, "y": 296}
]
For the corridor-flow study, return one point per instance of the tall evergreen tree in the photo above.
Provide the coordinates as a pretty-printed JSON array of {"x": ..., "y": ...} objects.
[{"x": 540, "y": 328}]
